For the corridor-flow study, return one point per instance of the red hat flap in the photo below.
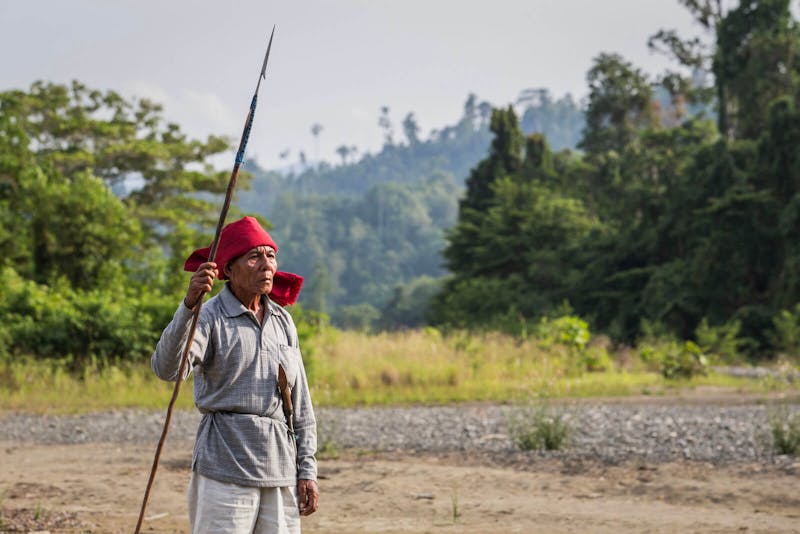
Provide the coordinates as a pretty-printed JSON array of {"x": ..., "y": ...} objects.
[{"x": 237, "y": 238}]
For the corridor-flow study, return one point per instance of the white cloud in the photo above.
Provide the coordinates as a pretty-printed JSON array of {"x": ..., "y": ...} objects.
[
  {"x": 206, "y": 111},
  {"x": 199, "y": 113},
  {"x": 143, "y": 89}
]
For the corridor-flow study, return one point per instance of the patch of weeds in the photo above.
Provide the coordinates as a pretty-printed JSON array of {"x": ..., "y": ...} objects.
[
  {"x": 722, "y": 342},
  {"x": 786, "y": 334},
  {"x": 785, "y": 430},
  {"x": 454, "y": 502},
  {"x": 40, "y": 513},
  {"x": 540, "y": 427},
  {"x": 327, "y": 447}
]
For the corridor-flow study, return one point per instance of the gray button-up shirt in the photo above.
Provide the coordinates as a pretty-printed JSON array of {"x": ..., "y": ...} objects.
[{"x": 243, "y": 437}]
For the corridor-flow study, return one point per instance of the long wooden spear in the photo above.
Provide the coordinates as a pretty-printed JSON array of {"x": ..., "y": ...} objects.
[{"x": 248, "y": 123}]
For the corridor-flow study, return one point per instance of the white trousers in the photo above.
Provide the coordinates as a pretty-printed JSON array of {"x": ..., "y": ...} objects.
[{"x": 223, "y": 508}]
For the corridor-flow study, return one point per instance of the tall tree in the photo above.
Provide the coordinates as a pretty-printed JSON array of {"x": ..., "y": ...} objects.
[
  {"x": 513, "y": 255},
  {"x": 505, "y": 157},
  {"x": 755, "y": 62},
  {"x": 343, "y": 151},
  {"x": 561, "y": 120},
  {"x": 620, "y": 104},
  {"x": 316, "y": 130},
  {"x": 752, "y": 54},
  {"x": 385, "y": 123},
  {"x": 411, "y": 129}
]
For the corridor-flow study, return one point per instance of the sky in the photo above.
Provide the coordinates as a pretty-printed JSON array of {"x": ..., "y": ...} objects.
[{"x": 335, "y": 63}]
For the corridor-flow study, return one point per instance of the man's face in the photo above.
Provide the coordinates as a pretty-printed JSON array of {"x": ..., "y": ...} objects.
[{"x": 253, "y": 271}]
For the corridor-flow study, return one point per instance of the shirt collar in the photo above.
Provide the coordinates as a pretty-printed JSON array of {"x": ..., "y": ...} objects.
[{"x": 233, "y": 307}]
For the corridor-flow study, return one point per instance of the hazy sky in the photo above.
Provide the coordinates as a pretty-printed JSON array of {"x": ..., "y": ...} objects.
[{"x": 332, "y": 62}]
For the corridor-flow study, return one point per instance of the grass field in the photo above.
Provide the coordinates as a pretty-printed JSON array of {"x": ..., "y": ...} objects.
[{"x": 349, "y": 368}]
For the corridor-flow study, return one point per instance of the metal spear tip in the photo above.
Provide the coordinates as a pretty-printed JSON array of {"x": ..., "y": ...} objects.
[{"x": 266, "y": 56}]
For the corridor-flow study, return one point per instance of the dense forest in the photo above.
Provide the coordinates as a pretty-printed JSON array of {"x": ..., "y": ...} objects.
[
  {"x": 660, "y": 225},
  {"x": 656, "y": 206}
]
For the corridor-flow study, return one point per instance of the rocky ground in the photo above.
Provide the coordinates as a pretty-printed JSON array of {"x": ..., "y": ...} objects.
[
  {"x": 716, "y": 429},
  {"x": 696, "y": 463}
]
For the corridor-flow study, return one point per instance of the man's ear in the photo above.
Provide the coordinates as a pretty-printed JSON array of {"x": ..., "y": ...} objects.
[{"x": 226, "y": 270}]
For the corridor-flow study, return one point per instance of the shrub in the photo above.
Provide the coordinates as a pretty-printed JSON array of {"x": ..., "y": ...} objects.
[
  {"x": 573, "y": 333},
  {"x": 83, "y": 326},
  {"x": 595, "y": 358},
  {"x": 567, "y": 330},
  {"x": 674, "y": 360},
  {"x": 722, "y": 342},
  {"x": 539, "y": 428},
  {"x": 785, "y": 431},
  {"x": 684, "y": 360},
  {"x": 786, "y": 334},
  {"x": 327, "y": 446}
]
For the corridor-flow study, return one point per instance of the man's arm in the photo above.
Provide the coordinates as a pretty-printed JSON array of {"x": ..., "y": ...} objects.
[
  {"x": 166, "y": 359},
  {"x": 305, "y": 425}
]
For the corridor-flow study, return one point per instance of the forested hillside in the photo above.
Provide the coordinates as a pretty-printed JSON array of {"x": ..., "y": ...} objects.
[{"x": 369, "y": 233}]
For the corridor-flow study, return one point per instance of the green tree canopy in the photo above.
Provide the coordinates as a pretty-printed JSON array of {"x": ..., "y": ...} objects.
[
  {"x": 65, "y": 149},
  {"x": 100, "y": 202}
]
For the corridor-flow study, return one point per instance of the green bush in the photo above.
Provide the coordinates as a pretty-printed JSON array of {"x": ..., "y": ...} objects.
[
  {"x": 786, "y": 334},
  {"x": 59, "y": 322},
  {"x": 673, "y": 359},
  {"x": 573, "y": 333},
  {"x": 722, "y": 342},
  {"x": 684, "y": 360},
  {"x": 567, "y": 330},
  {"x": 785, "y": 431},
  {"x": 540, "y": 427},
  {"x": 595, "y": 359}
]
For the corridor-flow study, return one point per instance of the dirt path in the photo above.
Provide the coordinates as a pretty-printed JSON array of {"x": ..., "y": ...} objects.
[{"x": 98, "y": 488}]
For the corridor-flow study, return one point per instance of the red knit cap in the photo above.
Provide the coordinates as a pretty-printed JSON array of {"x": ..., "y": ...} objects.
[{"x": 237, "y": 238}]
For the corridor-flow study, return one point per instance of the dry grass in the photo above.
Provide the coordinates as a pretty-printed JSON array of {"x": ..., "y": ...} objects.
[
  {"x": 423, "y": 366},
  {"x": 28, "y": 385},
  {"x": 349, "y": 368}
]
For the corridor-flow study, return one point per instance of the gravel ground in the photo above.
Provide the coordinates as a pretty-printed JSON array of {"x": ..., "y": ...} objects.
[{"x": 609, "y": 432}]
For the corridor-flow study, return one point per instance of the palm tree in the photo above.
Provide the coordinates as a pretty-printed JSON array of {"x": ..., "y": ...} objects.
[{"x": 316, "y": 129}]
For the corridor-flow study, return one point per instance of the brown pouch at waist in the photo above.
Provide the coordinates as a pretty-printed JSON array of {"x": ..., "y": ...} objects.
[{"x": 286, "y": 398}]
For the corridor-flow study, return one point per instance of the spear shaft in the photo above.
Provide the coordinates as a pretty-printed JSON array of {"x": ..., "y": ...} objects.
[{"x": 248, "y": 123}]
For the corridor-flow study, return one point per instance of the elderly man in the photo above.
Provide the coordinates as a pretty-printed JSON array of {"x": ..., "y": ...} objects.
[{"x": 252, "y": 469}]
